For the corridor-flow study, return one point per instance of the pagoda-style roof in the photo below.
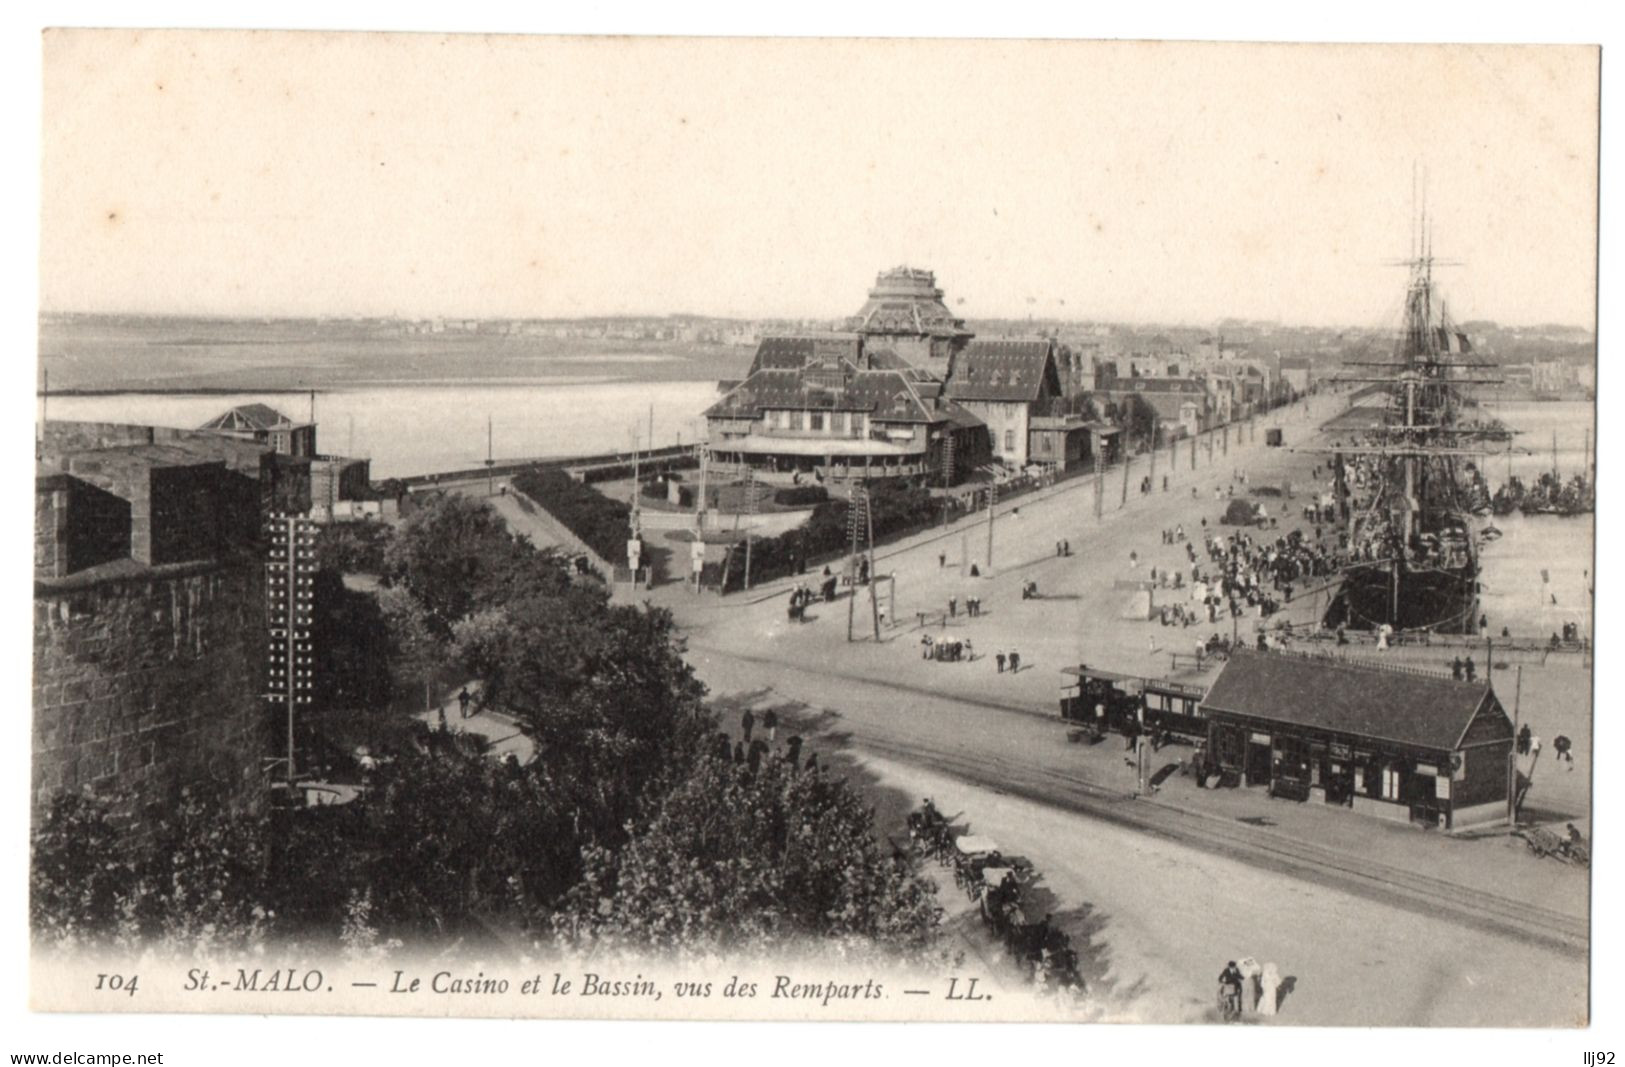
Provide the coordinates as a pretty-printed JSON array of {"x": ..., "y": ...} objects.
[{"x": 906, "y": 301}]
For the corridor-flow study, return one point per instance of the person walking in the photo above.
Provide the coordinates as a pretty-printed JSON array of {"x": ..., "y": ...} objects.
[
  {"x": 463, "y": 699},
  {"x": 942, "y": 560},
  {"x": 770, "y": 723},
  {"x": 953, "y": 607},
  {"x": 1015, "y": 662},
  {"x": 1468, "y": 669},
  {"x": 999, "y": 658},
  {"x": 747, "y": 723},
  {"x": 1456, "y": 669}
]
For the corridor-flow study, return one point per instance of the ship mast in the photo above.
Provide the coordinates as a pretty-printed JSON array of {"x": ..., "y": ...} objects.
[{"x": 1415, "y": 520}]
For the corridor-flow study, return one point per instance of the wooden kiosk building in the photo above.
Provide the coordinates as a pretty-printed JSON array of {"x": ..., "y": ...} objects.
[{"x": 1404, "y": 746}]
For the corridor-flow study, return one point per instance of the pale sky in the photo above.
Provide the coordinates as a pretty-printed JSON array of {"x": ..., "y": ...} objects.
[{"x": 236, "y": 173}]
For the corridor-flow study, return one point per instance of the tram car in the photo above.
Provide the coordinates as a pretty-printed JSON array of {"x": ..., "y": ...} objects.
[
  {"x": 1174, "y": 707},
  {"x": 1108, "y": 702},
  {"x": 1101, "y": 701}
]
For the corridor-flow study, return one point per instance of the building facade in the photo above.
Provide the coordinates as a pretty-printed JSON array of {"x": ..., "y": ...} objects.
[
  {"x": 1005, "y": 383},
  {"x": 1407, "y": 747},
  {"x": 832, "y": 407}
]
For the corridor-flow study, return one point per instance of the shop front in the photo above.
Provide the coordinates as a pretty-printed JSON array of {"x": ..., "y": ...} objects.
[{"x": 1398, "y": 746}]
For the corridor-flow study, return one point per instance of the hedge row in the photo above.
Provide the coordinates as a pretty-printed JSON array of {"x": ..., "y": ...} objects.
[
  {"x": 800, "y": 496},
  {"x": 601, "y": 523},
  {"x": 618, "y": 471},
  {"x": 899, "y": 507}
]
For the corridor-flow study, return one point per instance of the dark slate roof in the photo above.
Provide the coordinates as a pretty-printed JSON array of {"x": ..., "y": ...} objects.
[
  {"x": 792, "y": 352},
  {"x": 1009, "y": 371},
  {"x": 1410, "y": 709},
  {"x": 884, "y": 394},
  {"x": 1163, "y": 385}
]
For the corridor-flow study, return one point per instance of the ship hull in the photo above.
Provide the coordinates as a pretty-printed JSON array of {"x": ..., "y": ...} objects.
[{"x": 1445, "y": 601}]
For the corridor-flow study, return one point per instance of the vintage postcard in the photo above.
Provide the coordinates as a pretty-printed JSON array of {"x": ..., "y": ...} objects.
[{"x": 813, "y": 529}]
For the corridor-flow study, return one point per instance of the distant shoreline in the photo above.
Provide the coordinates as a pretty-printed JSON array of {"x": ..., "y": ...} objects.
[{"x": 202, "y": 390}]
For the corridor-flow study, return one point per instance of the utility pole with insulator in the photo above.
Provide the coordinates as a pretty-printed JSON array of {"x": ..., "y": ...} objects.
[{"x": 290, "y": 593}]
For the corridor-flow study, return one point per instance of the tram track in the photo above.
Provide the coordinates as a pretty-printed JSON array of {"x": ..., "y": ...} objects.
[
  {"x": 1416, "y": 892},
  {"x": 1360, "y": 875}
]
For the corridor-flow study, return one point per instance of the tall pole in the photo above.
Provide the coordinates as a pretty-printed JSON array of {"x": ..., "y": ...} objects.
[
  {"x": 1153, "y": 474},
  {"x": 869, "y": 549},
  {"x": 1512, "y": 756},
  {"x": 1100, "y": 488},
  {"x": 852, "y": 506},
  {"x": 750, "y": 509},
  {"x": 1123, "y": 502},
  {"x": 699, "y": 506},
  {"x": 490, "y": 460},
  {"x": 992, "y": 500}
]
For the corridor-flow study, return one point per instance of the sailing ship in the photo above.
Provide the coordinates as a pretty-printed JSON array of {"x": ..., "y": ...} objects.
[{"x": 1406, "y": 486}]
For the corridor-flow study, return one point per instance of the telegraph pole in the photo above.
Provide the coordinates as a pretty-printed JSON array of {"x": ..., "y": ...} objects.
[
  {"x": 1512, "y": 756},
  {"x": 1100, "y": 488},
  {"x": 289, "y": 568},
  {"x": 1153, "y": 450},
  {"x": 490, "y": 461},
  {"x": 992, "y": 500},
  {"x": 750, "y": 512},
  {"x": 874, "y": 579},
  {"x": 852, "y": 507}
]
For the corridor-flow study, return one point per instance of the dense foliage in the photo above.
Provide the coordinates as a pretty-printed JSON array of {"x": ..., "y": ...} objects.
[
  {"x": 800, "y": 496},
  {"x": 898, "y": 506},
  {"x": 601, "y": 523},
  {"x": 352, "y": 547},
  {"x": 738, "y": 858},
  {"x": 621, "y": 820}
]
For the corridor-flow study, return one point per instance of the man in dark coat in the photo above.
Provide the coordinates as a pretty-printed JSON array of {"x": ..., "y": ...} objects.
[{"x": 747, "y": 723}]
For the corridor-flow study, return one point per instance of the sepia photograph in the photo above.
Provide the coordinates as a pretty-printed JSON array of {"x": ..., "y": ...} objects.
[{"x": 814, "y": 529}]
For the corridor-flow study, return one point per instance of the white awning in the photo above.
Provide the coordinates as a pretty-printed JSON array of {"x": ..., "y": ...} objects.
[{"x": 757, "y": 444}]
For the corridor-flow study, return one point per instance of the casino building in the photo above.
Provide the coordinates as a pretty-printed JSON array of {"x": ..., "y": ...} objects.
[
  {"x": 904, "y": 390},
  {"x": 837, "y": 407}
]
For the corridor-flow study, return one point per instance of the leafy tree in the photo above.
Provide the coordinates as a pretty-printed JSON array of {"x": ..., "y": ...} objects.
[
  {"x": 415, "y": 651},
  {"x": 81, "y": 876},
  {"x": 351, "y": 638},
  {"x": 442, "y": 552},
  {"x": 189, "y": 880},
  {"x": 741, "y": 860},
  {"x": 606, "y": 696}
]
